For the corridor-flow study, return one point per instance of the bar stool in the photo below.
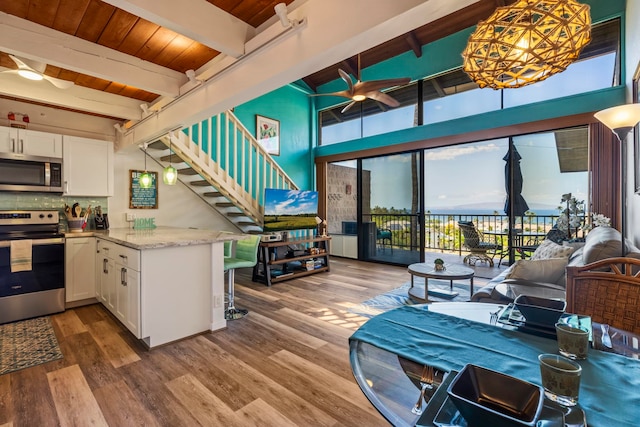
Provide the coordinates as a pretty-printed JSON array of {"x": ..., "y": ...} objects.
[{"x": 246, "y": 255}]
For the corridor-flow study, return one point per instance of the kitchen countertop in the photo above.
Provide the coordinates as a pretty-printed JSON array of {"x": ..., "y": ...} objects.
[{"x": 160, "y": 237}]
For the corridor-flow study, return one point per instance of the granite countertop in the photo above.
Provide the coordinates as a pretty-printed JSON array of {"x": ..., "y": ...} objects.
[{"x": 160, "y": 237}]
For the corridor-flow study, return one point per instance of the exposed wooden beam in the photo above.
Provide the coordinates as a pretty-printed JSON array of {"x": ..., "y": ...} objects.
[
  {"x": 414, "y": 43},
  {"x": 437, "y": 87},
  {"x": 196, "y": 19},
  {"x": 350, "y": 66},
  {"x": 27, "y": 39},
  {"x": 75, "y": 98}
]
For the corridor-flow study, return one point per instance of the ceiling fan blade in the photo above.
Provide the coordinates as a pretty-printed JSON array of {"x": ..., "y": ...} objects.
[
  {"x": 349, "y": 105},
  {"x": 384, "y": 98},
  {"x": 29, "y": 64},
  {"x": 347, "y": 79},
  {"x": 344, "y": 93},
  {"x": 59, "y": 83},
  {"x": 373, "y": 85}
]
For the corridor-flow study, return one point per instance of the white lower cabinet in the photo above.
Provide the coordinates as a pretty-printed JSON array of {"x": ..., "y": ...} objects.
[
  {"x": 80, "y": 268},
  {"x": 127, "y": 307},
  {"x": 119, "y": 284}
]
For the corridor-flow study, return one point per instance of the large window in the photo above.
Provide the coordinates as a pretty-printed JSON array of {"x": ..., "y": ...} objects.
[{"x": 453, "y": 95}]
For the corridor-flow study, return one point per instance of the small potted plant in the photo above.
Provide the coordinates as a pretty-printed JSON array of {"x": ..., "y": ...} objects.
[{"x": 439, "y": 264}]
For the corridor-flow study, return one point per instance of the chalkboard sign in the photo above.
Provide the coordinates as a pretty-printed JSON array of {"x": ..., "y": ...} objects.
[{"x": 142, "y": 198}]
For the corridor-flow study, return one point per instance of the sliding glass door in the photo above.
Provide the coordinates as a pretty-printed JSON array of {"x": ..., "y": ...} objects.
[{"x": 391, "y": 203}]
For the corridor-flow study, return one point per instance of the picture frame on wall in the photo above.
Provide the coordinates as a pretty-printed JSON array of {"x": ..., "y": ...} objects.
[
  {"x": 268, "y": 134},
  {"x": 636, "y": 132},
  {"x": 142, "y": 198}
]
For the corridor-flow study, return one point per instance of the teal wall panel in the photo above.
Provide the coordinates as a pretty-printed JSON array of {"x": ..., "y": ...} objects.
[{"x": 293, "y": 109}]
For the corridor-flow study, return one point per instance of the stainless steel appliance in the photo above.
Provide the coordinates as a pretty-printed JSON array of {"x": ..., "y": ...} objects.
[
  {"x": 40, "y": 289},
  {"x": 19, "y": 172}
]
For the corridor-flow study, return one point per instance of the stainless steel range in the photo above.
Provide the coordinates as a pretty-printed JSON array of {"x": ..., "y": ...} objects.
[{"x": 31, "y": 264}]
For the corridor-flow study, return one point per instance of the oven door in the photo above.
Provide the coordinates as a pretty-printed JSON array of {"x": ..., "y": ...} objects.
[{"x": 47, "y": 268}]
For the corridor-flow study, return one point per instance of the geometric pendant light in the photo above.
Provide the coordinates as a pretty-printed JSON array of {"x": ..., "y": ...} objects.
[{"x": 526, "y": 42}]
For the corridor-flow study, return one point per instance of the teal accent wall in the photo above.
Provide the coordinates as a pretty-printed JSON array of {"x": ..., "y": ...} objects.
[{"x": 293, "y": 109}]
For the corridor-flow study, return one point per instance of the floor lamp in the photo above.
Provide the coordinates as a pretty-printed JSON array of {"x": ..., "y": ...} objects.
[{"x": 621, "y": 120}]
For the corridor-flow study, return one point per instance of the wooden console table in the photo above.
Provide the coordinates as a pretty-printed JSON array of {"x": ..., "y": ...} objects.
[{"x": 278, "y": 261}]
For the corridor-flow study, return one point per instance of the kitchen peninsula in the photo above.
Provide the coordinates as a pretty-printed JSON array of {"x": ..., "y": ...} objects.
[{"x": 163, "y": 284}]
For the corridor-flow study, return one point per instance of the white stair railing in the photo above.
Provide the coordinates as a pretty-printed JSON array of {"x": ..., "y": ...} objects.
[{"x": 230, "y": 158}]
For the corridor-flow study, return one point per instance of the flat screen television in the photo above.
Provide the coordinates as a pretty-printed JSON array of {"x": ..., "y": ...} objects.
[{"x": 289, "y": 209}]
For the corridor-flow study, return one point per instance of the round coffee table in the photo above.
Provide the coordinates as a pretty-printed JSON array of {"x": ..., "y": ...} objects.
[{"x": 426, "y": 270}]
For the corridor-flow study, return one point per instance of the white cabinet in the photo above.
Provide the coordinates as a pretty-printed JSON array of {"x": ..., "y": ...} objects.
[
  {"x": 87, "y": 167},
  {"x": 80, "y": 268},
  {"x": 119, "y": 284},
  {"x": 127, "y": 269},
  {"x": 30, "y": 142},
  {"x": 344, "y": 246}
]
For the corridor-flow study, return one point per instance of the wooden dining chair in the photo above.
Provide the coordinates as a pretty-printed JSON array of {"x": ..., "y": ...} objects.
[{"x": 608, "y": 291}]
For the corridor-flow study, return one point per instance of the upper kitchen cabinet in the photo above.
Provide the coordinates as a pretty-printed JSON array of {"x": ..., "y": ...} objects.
[
  {"x": 30, "y": 142},
  {"x": 87, "y": 167}
]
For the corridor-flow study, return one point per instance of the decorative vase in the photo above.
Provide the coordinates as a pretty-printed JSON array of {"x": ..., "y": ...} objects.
[{"x": 440, "y": 267}]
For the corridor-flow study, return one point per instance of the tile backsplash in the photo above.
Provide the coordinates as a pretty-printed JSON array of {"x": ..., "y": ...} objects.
[{"x": 31, "y": 201}]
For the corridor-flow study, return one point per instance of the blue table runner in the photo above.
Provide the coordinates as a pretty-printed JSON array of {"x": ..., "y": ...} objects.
[{"x": 610, "y": 384}]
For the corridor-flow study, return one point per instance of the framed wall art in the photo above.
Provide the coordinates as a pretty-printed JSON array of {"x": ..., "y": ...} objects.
[
  {"x": 142, "y": 198},
  {"x": 268, "y": 134}
]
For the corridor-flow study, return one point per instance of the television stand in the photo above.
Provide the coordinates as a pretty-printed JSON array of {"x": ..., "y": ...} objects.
[{"x": 284, "y": 260}]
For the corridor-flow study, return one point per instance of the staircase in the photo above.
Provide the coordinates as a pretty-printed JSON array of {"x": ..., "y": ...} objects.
[{"x": 222, "y": 162}]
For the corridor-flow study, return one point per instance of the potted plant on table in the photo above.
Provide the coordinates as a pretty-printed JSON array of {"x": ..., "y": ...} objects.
[{"x": 439, "y": 264}]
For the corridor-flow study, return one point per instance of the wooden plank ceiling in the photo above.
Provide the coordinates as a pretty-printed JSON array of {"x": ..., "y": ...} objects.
[{"x": 104, "y": 24}]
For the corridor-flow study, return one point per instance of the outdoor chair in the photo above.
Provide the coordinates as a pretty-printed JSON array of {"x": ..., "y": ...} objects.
[
  {"x": 477, "y": 246},
  {"x": 384, "y": 235},
  {"x": 246, "y": 255},
  {"x": 608, "y": 291}
]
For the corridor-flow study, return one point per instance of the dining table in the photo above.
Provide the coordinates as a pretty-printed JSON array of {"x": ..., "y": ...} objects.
[{"x": 390, "y": 350}]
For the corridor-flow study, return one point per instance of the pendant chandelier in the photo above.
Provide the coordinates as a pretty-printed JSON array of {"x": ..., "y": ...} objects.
[
  {"x": 526, "y": 42},
  {"x": 145, "y": 180},
  {"x": 170, "y": 174}
]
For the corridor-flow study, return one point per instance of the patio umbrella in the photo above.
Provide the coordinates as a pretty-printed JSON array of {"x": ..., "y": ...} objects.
[{"x": 519, "y": 204}]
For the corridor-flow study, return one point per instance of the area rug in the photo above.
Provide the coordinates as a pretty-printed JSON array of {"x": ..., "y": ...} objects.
[
  {"x": 27, "y": 343},
  {"x": 399, "y": 296}
]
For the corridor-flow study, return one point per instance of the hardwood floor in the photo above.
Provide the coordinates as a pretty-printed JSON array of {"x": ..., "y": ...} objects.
[{"x": 286, "y": 363}]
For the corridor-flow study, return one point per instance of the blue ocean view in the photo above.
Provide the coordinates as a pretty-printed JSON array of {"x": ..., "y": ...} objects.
[{"x": 500, "y": 211}]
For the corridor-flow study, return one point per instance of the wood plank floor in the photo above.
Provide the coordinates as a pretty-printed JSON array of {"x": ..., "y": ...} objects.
[{"x": 286, "y": 363}]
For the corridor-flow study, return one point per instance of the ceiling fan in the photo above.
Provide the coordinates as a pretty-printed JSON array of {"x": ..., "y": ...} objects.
[
  {"x": 34, "y": 70},
  {"x": 359, "y": 91}
]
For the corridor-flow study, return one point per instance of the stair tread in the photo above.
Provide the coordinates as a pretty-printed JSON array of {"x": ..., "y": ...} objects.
[
  {"x": 187, "y": 171},
  {"x": 201, "y": 183},
  {"x": 213, "y": 194}
]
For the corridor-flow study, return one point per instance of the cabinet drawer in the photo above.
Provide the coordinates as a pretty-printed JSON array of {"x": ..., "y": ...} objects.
[{"x": 128, "y": 257}]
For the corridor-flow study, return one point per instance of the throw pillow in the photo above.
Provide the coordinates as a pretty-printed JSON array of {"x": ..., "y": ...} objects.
[
  {"x": 602, "y": 242},
  {"x": 544, "y": 270},
  {"x": 549, "y": 249}
]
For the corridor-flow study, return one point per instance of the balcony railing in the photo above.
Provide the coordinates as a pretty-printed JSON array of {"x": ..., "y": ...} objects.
[{"x": 442, "y": 232}]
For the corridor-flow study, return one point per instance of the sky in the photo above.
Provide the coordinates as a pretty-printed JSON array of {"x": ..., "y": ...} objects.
[{"x": 290, "y": 202}]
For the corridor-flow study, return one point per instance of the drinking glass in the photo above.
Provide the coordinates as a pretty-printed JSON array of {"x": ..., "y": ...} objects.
[
  {"x": 573, "y": 341},
  {"x": 560, "y": 378}
]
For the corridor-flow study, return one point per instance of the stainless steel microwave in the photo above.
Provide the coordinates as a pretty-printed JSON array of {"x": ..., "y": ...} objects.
[{"x": 30, "y": 173}]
